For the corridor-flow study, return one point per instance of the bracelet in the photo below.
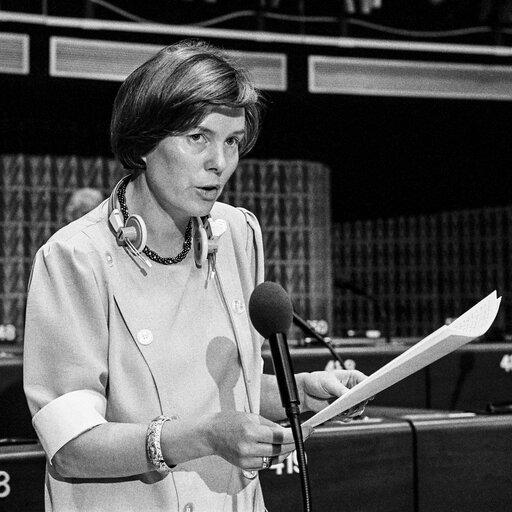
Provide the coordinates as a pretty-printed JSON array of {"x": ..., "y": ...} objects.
[{"x": 153, "y": 448}]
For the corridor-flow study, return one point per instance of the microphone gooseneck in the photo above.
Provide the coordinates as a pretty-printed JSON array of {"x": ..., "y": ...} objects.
[
  {"x": 310, "y": 331},
  {"x": 271, "y": 313}
]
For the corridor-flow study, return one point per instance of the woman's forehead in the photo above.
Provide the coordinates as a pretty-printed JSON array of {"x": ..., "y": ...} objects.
[{"x": 227, "y": 116}]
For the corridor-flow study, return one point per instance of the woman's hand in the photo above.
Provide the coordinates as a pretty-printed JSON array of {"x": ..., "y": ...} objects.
[
  {"x": 319, "y": 389},
  {"x": 243, "y": 439}
]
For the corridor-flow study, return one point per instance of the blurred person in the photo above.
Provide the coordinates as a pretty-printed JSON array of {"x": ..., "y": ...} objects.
[{"x": 82, "y": 201}]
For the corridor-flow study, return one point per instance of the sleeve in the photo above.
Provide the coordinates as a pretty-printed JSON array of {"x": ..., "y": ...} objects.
[
  {"x": 65, "y": 346},
  {"x": 254, "y": 246}
]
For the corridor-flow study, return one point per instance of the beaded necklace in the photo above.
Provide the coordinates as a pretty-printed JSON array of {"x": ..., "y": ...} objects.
[{"x": 152, "y": 255}]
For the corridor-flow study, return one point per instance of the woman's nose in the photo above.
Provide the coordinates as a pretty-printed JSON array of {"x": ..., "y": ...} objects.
[{"x": 216, "y": 159}]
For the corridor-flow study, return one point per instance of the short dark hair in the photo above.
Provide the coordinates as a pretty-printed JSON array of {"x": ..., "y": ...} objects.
[{"x": 173, "y": 92}]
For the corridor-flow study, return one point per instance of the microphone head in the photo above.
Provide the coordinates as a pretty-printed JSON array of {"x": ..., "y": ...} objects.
[{"x": 270, "y": 309}]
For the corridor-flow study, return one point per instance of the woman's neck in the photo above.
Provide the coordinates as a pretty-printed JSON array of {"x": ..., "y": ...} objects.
[{"x": 166, "y": 232}]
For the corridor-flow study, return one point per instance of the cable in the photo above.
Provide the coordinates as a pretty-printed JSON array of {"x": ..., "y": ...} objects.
[
  {"x": 225, "y": 17},
  {"x": 121, "y": 12},
  {"x": 296, "y": 17},
  {"x": 309, "y": 19},
  {"x": 270, "y": 15},
  {"x": 420, "y": 33}
]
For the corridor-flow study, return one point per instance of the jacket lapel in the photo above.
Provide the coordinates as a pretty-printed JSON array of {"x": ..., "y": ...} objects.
[{"x": 147, "y": 321}]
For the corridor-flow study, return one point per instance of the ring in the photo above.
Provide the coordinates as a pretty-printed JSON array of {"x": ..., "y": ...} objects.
[{"x": 266, "y": 462}]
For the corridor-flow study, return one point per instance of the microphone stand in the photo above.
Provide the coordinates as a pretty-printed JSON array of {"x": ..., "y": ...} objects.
[
  {"x": 283, "y": 369},
  {"x": 306, "y": 328}
]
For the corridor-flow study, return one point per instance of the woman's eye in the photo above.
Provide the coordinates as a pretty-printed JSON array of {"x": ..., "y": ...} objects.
[
  {"x": 197, "y": 137},
  {"x": 233, "y": 141}
]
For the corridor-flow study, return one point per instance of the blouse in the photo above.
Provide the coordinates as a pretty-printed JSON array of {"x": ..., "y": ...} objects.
[{"x": 110, "y": 340}]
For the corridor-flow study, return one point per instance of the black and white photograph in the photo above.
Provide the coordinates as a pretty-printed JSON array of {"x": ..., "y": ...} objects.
[{"x": 256, "y": 256}]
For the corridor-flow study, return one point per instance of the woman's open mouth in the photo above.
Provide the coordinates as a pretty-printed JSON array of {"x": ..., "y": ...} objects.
[{"x": 209, "y": 192}]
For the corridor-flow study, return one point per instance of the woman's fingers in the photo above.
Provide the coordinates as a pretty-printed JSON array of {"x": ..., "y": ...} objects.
[
  {"x": 245, "y": 439},
  {"x": 276, "y": 434}
]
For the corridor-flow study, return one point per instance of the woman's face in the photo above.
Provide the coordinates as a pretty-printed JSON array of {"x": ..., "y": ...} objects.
[{"x": 186, "y": 173}]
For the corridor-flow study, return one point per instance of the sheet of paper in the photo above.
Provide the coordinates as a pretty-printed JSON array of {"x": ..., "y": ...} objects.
[{"x": 472, "y": 324}]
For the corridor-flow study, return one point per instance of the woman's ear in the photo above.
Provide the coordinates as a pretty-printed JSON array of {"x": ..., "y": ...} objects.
[{"x": 144, "y": 159}]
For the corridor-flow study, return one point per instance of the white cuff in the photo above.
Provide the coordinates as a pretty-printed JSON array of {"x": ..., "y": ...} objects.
[{"x": 67, "y": 417}]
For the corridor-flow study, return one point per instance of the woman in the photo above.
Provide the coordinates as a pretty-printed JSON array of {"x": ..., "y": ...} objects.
[{"x": 142, "y": 369}]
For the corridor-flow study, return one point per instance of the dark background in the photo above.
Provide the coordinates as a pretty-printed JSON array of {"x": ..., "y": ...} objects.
[{"x": 389, "y": 156}]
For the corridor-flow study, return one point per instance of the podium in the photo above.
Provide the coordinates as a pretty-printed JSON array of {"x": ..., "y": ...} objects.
[
  {"x": 404, "y": 457},
  {"x": 464, "y": 464},
  {"x": 15, "y": 419},
  {"x": 403, "y": 460},
  {"x": 22, "y": 470},
  {"x": 361, "y": 466},
  {"x": 397, "y": 460}
]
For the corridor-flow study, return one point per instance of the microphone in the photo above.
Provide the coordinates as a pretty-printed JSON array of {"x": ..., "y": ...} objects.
[{"x": 271, "y": 313}]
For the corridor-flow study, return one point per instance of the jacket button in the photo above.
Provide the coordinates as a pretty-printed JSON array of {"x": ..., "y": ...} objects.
[
  {"x": 238, "y": 306},
  {"x": 189, "y": 507},
  {"x": 145, "y": 337}
]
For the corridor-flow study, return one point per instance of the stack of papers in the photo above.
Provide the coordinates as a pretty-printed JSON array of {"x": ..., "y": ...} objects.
[{"x": 472, "y": 324}]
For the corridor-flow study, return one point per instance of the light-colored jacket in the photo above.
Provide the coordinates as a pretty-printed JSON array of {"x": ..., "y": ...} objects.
[{"x": 97, "y": 349}]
